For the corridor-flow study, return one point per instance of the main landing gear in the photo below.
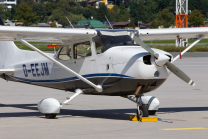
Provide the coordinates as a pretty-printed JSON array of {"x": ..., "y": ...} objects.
[{"x": 50, "y": 107}]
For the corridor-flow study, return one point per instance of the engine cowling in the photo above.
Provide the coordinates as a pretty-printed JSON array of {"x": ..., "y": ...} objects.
[{"x": 49, "y": 106}]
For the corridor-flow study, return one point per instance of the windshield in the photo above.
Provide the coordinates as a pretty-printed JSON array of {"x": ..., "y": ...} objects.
[
  {"x": 65, "y": 53},
  {"x": 104, "y": 42}
]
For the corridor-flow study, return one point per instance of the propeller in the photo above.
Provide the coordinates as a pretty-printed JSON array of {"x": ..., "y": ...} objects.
[{"x": 162, "y": 59}]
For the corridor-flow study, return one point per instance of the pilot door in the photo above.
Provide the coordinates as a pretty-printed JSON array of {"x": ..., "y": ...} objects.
[{"x": 84, "y": 61}]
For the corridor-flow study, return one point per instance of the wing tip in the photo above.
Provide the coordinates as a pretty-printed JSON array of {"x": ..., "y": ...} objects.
[{"x": 192, "y": 83}]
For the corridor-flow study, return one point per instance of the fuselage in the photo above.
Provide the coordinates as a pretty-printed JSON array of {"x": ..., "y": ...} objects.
[{"x": 120, "y": 69}]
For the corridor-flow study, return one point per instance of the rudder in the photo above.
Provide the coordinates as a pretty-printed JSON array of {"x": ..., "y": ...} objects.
[{"x": 8, "y": 51}]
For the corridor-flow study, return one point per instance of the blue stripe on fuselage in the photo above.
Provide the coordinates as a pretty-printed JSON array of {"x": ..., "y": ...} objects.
[{"x": 74, "y": 78}]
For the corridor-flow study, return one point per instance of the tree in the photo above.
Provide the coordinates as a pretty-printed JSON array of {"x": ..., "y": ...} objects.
[
  {"x": 53, "y": 25},
  {"x": 206, "y": 16},
  {"x": 171, "y": 6},
  {"x": 5, "y": 13},
  {"x": 118, "y": 13},
  {"x": 113, "y": 13},
  {"x": 64, "y": 5},
  {"x": 166, "y": 18},
  {"x": 102, "y": 12},
  {"x": 75, "y": 17},
  {"x": 162, "y": 4},
  {"x": 49, "y": 7},
  {"x": 2, "y": 11},
  {"x": 127, "y": 3},
  {"x": 196, "y": 18},
  {"x": 28, "y": 2},
  {"x": 40, "y": 11},
  {"x": 25, "y": 14},
  {"x": 93, "y": 12},
  {"x": 132, "y": 23},
  {"x": 137, "y": 10},
  {"x": 134, "y": 10},
  {"x": 199, "y": 5},
  {"x": 154, "y": 24},
  {"x": 59, "y": 16},
  {"x": 150, "y": 9},
  {"x": 126, "y": 16},
  {"x": 42, "y": 1}
]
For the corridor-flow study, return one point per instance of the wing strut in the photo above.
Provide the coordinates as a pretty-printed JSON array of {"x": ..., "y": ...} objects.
[
  {"x": 193, "y": 44},
  {"x": 97, "y": 87},
  {"x": 77, "y": 92}
]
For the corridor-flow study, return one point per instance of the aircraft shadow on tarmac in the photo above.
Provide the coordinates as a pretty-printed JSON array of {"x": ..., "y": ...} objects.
[{"x": 116, "y": 114}]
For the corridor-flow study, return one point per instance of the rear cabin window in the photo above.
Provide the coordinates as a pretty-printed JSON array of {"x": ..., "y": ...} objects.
[
  {"x": 82, "y": 50},
  {"x": 65, "y": 53}
]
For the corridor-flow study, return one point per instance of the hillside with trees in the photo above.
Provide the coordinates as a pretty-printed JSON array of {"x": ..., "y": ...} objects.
[{"x": 160, "y": 12}]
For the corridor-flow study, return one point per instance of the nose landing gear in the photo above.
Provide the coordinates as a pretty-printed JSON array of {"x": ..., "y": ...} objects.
[
  {"x": 142, "y": 111},
  {"x": 146, "y": 105}
]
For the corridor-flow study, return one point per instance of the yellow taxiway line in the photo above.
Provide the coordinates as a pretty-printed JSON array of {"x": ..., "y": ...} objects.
[{"x": 183, "y": 128}]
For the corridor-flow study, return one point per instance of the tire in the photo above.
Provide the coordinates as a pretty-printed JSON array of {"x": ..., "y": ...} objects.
[
  {"x": 50, "y": 116},
  {"x": 152, "y": 112},
  {"x": 143, "y": 112}
]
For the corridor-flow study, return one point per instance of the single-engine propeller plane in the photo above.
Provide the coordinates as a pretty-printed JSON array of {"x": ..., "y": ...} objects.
[{"x": 95, "y": 62}]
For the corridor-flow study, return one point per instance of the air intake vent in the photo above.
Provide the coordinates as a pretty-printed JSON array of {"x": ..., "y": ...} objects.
[
  {"x": 147, "y": 59},
  {"x": 170, "y": 58}
]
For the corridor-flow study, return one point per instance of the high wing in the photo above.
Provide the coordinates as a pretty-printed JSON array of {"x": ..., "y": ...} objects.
[
  {"x": 172, "y": 33},
  {"x": 60, "y": 33},
  {"x": 79, "y": 34}
]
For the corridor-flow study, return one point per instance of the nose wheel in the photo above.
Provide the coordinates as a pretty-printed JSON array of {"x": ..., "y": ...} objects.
[
  {"x": 50, "y": 116},
  {"x": 142, "y": 111}
]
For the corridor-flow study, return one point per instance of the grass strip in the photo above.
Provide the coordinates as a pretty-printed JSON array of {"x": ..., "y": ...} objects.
[
  {"x": 168, "y": 48},
  {"x": 173, "y": 41}
]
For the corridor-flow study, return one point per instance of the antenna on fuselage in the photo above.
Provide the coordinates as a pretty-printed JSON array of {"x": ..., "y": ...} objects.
[
  {"x": 69, "y": 22},
  {"x": 108, "y": 22}
]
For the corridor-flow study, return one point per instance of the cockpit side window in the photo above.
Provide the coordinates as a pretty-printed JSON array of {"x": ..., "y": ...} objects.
[
  {"x": 65, "y": 53},
  {"x": 82, "y": 50}
]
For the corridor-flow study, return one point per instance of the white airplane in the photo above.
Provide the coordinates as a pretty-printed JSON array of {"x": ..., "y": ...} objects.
[{"x": 95, "y": 62}]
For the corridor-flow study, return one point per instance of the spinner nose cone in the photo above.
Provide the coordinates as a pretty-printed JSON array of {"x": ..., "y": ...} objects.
[{"x": 162, "y": 59}]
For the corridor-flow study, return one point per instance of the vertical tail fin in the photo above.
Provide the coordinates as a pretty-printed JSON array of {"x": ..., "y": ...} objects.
[{"x": 8, "y": 54}]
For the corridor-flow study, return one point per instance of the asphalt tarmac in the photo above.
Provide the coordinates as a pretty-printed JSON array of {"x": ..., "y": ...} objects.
[{"x": 183, "y": 111}]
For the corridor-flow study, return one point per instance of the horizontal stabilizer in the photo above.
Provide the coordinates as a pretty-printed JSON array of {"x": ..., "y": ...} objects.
[{"x": 7, "y": 71}]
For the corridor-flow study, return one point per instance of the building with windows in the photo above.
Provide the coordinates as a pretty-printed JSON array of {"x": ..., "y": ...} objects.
[{"x": 9, "y": 3}]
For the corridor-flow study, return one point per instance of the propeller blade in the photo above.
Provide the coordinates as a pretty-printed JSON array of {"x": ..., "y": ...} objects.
[
  {"x": 179, "y": 73},
  {"x": 163, "y": 60},
  {"x": 143, "y": 45}
]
